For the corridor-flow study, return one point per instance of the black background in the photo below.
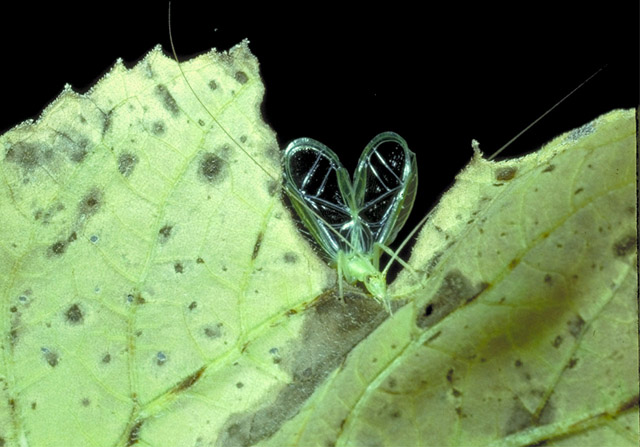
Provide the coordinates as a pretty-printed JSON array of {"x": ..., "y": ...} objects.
[{"x": 438, "y": 77}]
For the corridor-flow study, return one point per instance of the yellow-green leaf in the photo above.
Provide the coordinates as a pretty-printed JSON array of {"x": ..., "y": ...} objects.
[{"x": 155, "y": 290}]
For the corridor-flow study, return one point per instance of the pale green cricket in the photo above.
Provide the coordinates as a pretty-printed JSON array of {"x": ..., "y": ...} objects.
[{"x": 353, "y": 221}]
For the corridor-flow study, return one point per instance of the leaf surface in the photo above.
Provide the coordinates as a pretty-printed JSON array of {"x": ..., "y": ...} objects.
[{"x": 156, "y": 292}]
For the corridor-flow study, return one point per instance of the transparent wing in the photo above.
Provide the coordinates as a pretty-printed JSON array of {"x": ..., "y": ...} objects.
[
  {"x": 385, "y": 185},
  {"x": 319, "y": 188}
]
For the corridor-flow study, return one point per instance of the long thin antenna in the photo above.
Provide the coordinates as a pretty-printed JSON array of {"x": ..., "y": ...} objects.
[
  {"x": 175, "y": 56},
  {"x": 396, "y": 254},
  {"x": 546, "y": 113}
]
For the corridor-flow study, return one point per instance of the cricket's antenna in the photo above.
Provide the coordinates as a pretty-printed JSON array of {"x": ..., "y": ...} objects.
[
  {"x": 175, "y": 56},
  {"x": 546, "y": 113}
]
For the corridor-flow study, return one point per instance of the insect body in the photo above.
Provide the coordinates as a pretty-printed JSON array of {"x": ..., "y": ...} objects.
[{"x": 353, "y": 221}]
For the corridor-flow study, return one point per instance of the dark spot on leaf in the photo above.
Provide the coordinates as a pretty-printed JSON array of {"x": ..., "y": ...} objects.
[
  {"x": 213, "y": 85},
  {"x": 241, "y": 77},
  {"x": 51, "y": 357},
  {"x": 34, "y": 405},
  {"x": 13, "y": 336},
  {"x": 625, "y": 245},
  {"x": 549, "y": 168},
  {"x": 134, "y": 434},
  {"x": 547, "y": 279},
  {"x": 90, "y": 203},
  {"x": 519, "y": 419},
  {"x": 74, "y": 314},
  {"x": 450, "y": 375},
  {"x": 57, "y": 248},
  {"x": 76, "y": 150},
  {"x": 168, "y": 101},
  {"x": 455, "y": 290},
  {"x": 189, "y": 381},
  {"x": 290, "y": 257},
  {"x": 201, "y": 123},
  {"x": 85, "y": 402},
  {"x": 161, "y": 358},
  {"x": 211, "y": 167},
  {"x": 572, "y": 362},
  {"x": 158, "y": 128},
  {"x": 428, "y": 310},
  {"x": 575, "y": 325},
  {"x": 335, "y": 329},
  {"x": 199, "y": 261},
  {"x": 213, "y": 331},
  {"x": 256, "y": 246},
  {"x": 165, "y": 233},
  {"x": 518, "y": 363},
  {"x": 106, "y": 358},
  {"x": 106, "y": 121},
  {"x": 193, "y": 305},
  {"x": 239, "y": 385},
  {"x": 579, "y": 190},
  {"x": 26, "y": 155},
  {"x": 514, "y": 263},
  {"x": 178, "y": 267},
  {"x": 546, "y": 416},
  {"x": 273, "y": 187},
  {"x": 456, "y": 392},
  {"x": 127, "y": 163},
  {"x": 135, "y": 298},
  {"x": 557, "y": 341},
  {"x": 506, "y": 173}
]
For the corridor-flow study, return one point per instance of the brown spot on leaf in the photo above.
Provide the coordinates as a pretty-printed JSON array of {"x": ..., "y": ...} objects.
[
  {"x": 557, "y": 341},
  {"x": 165, "y": 233},
  {"x": 290, "y": 257},
  {"x": 213, "y": 331},
  {"x": 57, "y": 248},
  {"x": 256, "y": 246},
  {"x": 90, "y": 203},
  {"x": 127, "y": 163},
  {"x": 74, "y": 314},
  {"x": 26, "y": 155},
  {"x": 506, "y": 173},
  {"x": 241, "y": 77},
  {"x": 158, "y": 128},
  {"x": 625, "y": 245},
  {"x": 134, "y": 434},
  {"x": 168, "y": 101},
  {"x": 454, "y": 291},
  {"x": 212, "y": 167},
  {"x": 189, "y": 381},
  {"x": 51, "y": 357},
  {"x": 575, "y": 325}
]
